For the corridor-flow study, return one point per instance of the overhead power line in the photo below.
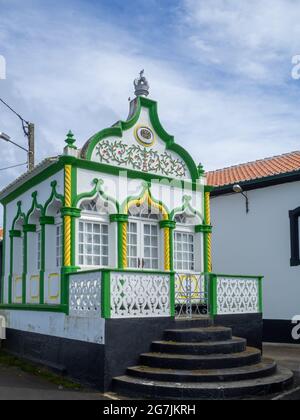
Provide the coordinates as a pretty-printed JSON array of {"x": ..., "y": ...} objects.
[{"x": 14, "y": 166}]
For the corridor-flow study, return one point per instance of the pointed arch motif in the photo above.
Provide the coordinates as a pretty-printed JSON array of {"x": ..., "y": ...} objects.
[
  {"x": 19, "y": 215},
  {"x": 94, "y": 193},
  {"x": 186, "y": 207},
  {"x": 34, "y": 206},
  {"x": 145, "y": 197},
  {"x": 54, "y": 195}
]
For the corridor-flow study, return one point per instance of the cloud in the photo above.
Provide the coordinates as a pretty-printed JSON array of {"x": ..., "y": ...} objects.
[
  {"x": 251, "y": 39},
  {"x": 219, "y": 70}
]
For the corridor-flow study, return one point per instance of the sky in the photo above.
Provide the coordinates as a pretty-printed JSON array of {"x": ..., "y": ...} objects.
[{"x": 221, "y": 71}]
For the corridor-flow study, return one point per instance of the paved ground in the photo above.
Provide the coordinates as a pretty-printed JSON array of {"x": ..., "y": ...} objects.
[
  {"x": 287, "y": 356},
  {"x": 17, "y": 385}
]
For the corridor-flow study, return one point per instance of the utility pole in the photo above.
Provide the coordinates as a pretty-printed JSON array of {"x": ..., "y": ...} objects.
[{"x": 30, "y": 146}]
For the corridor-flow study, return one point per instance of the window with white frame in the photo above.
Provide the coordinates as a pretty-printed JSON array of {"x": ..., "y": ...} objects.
[
  {"x": 93, "y": 233},
  {"x": 59, "y": 245},
  {"x": 184, "y": 251},
  {"x": 93, "y": 244}
]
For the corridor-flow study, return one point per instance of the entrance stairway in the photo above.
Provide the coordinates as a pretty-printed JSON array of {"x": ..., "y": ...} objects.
[{"x": 202, "y": 363}]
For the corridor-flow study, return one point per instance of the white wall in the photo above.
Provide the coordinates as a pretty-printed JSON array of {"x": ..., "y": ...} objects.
[
  {"x": 91, "y": 330},
  {"x": 258, "y": 243}
]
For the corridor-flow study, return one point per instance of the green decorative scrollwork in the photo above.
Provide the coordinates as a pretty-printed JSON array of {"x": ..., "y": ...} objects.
[{"x": 139, "y": 158}]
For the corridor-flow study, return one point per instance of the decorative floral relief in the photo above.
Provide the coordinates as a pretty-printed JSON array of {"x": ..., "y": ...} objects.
[{"x": 140, "y": 159}]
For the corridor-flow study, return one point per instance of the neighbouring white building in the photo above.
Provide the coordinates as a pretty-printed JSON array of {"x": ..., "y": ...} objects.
[{"x": 265, "y": 239}]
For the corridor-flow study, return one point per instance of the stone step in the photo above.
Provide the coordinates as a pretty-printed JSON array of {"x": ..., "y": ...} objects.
[
  {"x": 198, "y": 334},
  {"x": 236, "y": 345},
  {"x": 261, "y": 370},
  {"x": 136, "y": 387},
  {"x": 215, "y": 361},
  {"x": 195, "y": 322}
]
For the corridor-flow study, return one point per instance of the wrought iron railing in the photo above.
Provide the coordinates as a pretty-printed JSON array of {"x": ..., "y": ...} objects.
[{"x": 191, "y": 295}]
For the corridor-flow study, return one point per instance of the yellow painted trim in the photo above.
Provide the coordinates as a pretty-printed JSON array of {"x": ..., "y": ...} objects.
[
  {"x": 67, "y": 219},
  {"x": 32, "y": 296},
  {"x": 208, "y": 222},
  {"x": 167, "y": 249},
  {"x": 124, "y": 245},
  {"x": 50, "y": 277},
  {"x": 147, "y": 198},
  {"x": 139, "y": 140}
]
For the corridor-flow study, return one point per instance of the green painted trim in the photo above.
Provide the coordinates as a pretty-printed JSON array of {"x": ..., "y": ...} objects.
[
  {"x": 15, "y": 233},
  {"x": 24, "y": 275},
  {"x": 97, "y": 190},
  {"x": 145, "y": 188},
  {"x": 203, "y": 229},
  {"x": 117, "y": 131},
  {"x": 19, "y": 215},
  {"x": 30, "y": 307},
  {"x": 29, "y": 228},
  {"x": 208, "y": 188},
  {"x": 35, "y": 206},
  {"x": 34, "y": 181},
  {"x": 167, "y": 224},
  {"x": 213, "y": 298},
  {"x": 71, "y": 211},
  {"x": 172, "y": 249},
  {"x": 132, "y": 174},
  {"x": 236, "y": 276},
  {"x": 43, "y": 262},
  {"x": 54, "y": 195},
  {"x": 47, "y": 220},
  {"x": 261, "y": 295},
  {"x": 172, "y": 294},
  {"x": 106, "y": 297},
  {"x": 125, "y": 270},
  {"x": 3, "y": 255},
  {"x": 122, "y": 218},
  {"x": 186, "y": 205}
]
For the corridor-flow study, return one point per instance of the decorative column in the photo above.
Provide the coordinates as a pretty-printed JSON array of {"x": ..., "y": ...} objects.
[
  {"x": 122, "y": 221},
  {"x": 12, "y": 235},
  {"x": 44, "y": 221},
  {"x": 208, "y": 231},
  {"x": 168, "y": 226},
  {"x": 28, "y": 228}
]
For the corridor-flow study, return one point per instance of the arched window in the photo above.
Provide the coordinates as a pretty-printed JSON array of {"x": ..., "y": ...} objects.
[
  {"x": 144, "y": 242},
  {"x": 94, "y": 233}
]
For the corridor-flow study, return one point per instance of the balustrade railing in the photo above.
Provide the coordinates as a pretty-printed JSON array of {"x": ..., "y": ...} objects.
[{"x": 132, "y": 294}]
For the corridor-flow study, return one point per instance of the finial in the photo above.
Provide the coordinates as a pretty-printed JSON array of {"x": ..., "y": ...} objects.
[
  {"x": 201, "y": 171},
  {"x": 141, "y": 85},
  {"x": 70, "y": 140}
]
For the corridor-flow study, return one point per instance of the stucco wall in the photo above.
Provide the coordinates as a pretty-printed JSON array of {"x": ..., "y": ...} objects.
[{"x": 258, "y": 243}]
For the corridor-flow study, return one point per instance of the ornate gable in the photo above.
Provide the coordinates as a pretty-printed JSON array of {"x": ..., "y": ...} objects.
[{"x": 141, "y": 144}]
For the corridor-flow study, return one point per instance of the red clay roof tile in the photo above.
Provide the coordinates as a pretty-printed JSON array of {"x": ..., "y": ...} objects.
[{"x": 276, "y": 165}]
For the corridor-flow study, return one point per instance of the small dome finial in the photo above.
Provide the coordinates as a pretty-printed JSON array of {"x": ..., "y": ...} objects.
[{"x": 141, "y": 85}]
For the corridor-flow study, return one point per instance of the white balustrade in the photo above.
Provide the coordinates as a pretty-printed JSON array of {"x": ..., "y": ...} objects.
[
  {"x": 238, "y": 295},
  {"x": 139, "y": 295},
  {"x": 85, "y": 294}
]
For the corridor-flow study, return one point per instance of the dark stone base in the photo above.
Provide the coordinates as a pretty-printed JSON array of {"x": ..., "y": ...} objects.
[
  {"x": 278, "y": 331},
  {"x": 96, "y": 365},
  {"x": 248, "y": 326},
  {"x": 80, "y": 361}
]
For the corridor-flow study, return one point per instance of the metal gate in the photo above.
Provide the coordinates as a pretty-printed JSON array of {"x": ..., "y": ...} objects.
[{"x": 191, "y": 295}]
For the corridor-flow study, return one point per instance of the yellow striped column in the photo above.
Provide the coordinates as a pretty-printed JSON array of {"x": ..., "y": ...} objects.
[
  {"x": 67, "y": 218},
  {"x": 208, "y": 264}
]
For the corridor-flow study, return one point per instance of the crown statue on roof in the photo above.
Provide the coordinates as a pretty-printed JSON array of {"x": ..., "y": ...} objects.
[{"x": 141, "y": 85}]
